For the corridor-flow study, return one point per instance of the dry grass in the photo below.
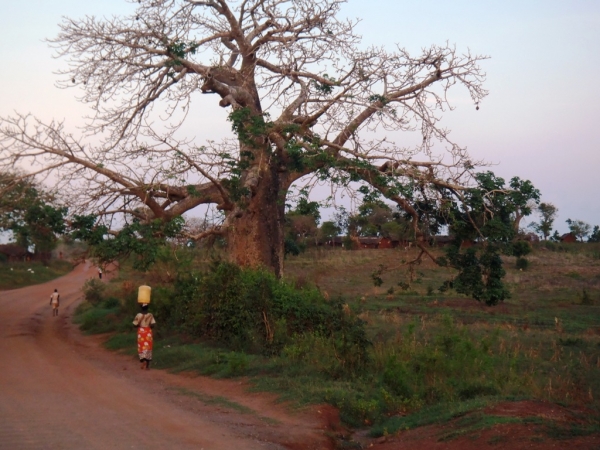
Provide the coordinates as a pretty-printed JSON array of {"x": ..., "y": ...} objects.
[{"x": 550, "y": 326}]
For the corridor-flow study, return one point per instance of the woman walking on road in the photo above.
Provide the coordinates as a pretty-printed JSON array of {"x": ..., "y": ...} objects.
[
  {"x": 54, "y": 301},
  {"x": 144, "y": 321}
]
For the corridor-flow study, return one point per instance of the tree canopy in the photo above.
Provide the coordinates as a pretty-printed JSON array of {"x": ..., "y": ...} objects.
[
  {"x": 579, "y": 228},
  {"x": 305, "y": 98},
  {"x": 30, "y": 213},
  {"x": 548, "y": 213}
]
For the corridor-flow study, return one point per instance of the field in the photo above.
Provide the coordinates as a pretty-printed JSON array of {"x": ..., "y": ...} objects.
[
  {"x": 433, "y": 358},
  {"x": 17, "y": 275}
]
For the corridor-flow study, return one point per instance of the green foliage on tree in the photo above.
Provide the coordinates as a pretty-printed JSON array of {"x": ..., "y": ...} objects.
[
  {"x": 30, "y": 213},
  {"x": 142, "y": 240},
  {"x": 489, "y": 214},
  {"x": 492, "y": 210},
  {"x": 579, "y": 228},
  {"x": 595, "y": 236},
  {"x": 548, "y": 213},
  {"x": 375, "y": 218},
  {"x": 480, "y": 274},
  {"x": 251, "y": 310},
  {"x": 305, "y": 207},
  {"x": 328, "y": 231},
  {"x": 521, "y": 248},
  {"x": 522, "y": 263},
  {"x": 301, "y": 224}
]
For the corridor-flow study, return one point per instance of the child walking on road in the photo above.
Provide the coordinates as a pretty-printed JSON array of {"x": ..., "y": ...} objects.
[{"x": 54, "y": 301}]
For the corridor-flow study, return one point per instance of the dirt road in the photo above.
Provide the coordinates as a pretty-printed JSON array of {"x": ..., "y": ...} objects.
[{"x": 60, "y": 390}]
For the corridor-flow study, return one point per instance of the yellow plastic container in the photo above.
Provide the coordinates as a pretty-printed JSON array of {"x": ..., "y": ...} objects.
[{"x": 144, "y": 294}]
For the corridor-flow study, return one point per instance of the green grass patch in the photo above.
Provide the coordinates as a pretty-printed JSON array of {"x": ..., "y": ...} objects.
[
  {"x": 439, "y": 413},
  {"x": 556, "y": 430},
  {"x": 122, "y": 342},
  {"x": 99, "y": 320},
  {"x": 22, "y": 274}
]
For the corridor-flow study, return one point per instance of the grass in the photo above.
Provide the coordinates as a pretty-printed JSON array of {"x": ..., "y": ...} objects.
[
  {"x": 21, "y": 274},
  {"x": 439, "y": 413},
  {"x": 434, "y": 357},
  {"x": 556, "y": 430}
]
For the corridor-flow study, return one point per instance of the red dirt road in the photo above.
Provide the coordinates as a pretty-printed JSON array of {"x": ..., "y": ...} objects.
[{"x": 59, "y": 390}]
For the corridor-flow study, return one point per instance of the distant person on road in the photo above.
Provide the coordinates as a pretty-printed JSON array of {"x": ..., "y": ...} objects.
[
  {"x": 145, "y": 322},
  {"x": 54, "y": 301},
  {"x": 99, "y": 272}
]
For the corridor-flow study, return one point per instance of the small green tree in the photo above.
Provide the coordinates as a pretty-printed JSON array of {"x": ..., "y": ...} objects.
[
  {"x": 480, "y": 274},
  {"x": 328, "y": 231},
  {"x": 524, "y": 197},
  {"x": 547, "y": 212},
  {"x": 301, "y": 224},
  {"x": 144, "y": 241},
  {"x": 520, "y": 249},
  {"x": 595, "y": 236},
  {"x": 579, "y": 228},
  {"x": 30, "y": 213}
]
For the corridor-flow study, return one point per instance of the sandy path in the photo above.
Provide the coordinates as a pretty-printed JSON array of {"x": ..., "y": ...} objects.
[{"x": 59, "y": 390}]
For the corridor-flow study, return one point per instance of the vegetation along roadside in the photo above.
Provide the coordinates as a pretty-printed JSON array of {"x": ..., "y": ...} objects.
[{"x": 387, "y": 359}]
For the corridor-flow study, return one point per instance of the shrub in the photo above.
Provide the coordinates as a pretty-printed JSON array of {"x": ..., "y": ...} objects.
[
  {"x": 93, "y": 291},
  {"x": 111, "y": 302},
  {"x": 348, "y": 243},
  {"x": 522, "y": 263},
  {"x": 98, "y": 321},
  {"x": 586, "y": 298},
  {"x": 521, "y": 248},
  {"x": 476, "y": 389},
  {"x": 396, "y": 376},
  {"x": 250, "y": 310}
]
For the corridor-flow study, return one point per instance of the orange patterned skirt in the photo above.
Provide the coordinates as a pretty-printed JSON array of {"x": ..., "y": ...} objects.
[{"x": 144, "y": 343}]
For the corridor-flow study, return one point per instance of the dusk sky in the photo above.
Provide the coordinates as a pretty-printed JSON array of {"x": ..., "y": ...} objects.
[{"x": 540, "y": 121}]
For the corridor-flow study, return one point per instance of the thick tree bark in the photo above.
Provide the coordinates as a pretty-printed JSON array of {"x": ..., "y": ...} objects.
[{"x": 255, "y": 237}]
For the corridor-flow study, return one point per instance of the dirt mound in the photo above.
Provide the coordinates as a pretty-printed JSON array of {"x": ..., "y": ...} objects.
[{"x": 542, "y": 426}]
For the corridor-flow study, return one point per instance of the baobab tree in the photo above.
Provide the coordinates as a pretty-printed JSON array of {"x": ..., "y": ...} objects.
[{"x": 304, "y": 98}]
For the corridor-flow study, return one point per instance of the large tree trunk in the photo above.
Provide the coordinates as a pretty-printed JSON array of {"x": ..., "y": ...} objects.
[{"x": 255, "y": 238}]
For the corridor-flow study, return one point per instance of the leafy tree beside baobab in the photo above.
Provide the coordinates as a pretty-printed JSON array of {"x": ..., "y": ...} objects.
[
  {"x": 30, "y": 213},
  {"x": 547, "y": 213},
  {"x": 304, "y": 99},
  {"x": 595, "y": 236},
  {"x": 579, "y": 228}
]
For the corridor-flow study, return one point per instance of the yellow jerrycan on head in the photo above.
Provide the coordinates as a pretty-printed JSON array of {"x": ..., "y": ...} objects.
[{"x": 144, "y": 294}]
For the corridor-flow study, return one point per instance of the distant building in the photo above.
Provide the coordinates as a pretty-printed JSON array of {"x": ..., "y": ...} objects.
[
  {"x": 374, "y": 242},
  {"x": 14, "y": 252},
  {"x": 568, "y": 237}
]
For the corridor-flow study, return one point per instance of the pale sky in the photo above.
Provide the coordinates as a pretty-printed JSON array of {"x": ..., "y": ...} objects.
[{"x": 540, "y": 121}]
